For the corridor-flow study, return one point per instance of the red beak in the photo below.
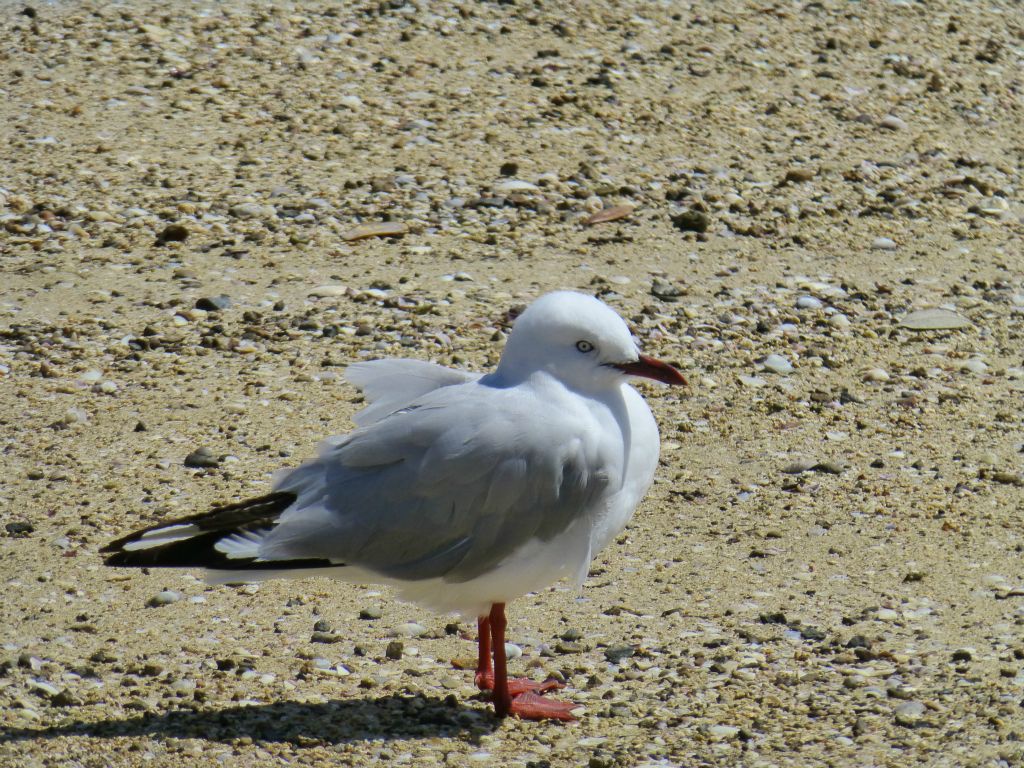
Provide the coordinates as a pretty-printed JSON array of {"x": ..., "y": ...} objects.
[{"x": 649, "y": 368}]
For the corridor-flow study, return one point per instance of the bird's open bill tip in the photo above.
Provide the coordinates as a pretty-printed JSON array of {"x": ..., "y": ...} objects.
[{"x": 652, "y": 368}]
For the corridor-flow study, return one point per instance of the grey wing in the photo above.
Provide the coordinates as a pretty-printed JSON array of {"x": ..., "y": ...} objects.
[
  {"x": 392, "y": 384},
  {"x": 442, "y": 490}
]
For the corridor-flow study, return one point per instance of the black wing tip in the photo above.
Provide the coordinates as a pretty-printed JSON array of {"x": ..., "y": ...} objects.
[{"x": 217, "y": 520}]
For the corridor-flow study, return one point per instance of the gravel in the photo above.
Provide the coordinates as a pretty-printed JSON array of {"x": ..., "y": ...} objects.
[{"x": 400, "y": 180}]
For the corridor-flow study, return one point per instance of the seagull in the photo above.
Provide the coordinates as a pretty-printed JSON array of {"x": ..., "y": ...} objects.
[{"x": 462, "y": 491}]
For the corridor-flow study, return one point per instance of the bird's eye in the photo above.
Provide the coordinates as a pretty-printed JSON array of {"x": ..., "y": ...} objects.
[{"x": 584, "y": 346}]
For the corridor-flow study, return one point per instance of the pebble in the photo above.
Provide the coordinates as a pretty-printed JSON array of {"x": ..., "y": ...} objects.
[
  {"x": 213, "y": 303},
  {"x": 975, "y": 366},
  {"x": 328, "y": 291},
  {"x": 172, "y": 233},
  {"x": 883, "y": 244},
  {"x": 183, "y": 686},
  {"x": 45, "y": 687},
  {"x": 839, "y": 320},
  {"x": 777, "y": 364},
  {"x": 909, "y": 713},
  {"x": 394, "y": 650},
  {"x": 808, "y": 302},
  {"x": 829, "y": 467},
  {"x": 617, "y": 653},
  {"x": 665, "y": 290},
  {"x": 692, "y": 221},
  {"x": 202, "y": 458},
  {"x": 877, "y": 375},
  {"x": 369, "y": 614},
  {"x": 892, "y": 123},
  {"x": 167, "y": 597},
  {"x": 800, "y": 174},
  {"x": 934, "y": 320},
  {"x": 251, "y": 210},
  {"x": 514, "y": 185},
  {"x": 410, "y": 629},
  {"x": 382, "y": 229}
]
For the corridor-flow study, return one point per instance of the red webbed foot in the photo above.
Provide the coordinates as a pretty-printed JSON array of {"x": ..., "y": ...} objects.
[
  {"x": 518, "y": 685},
  {"x": 530, "y": 706}
]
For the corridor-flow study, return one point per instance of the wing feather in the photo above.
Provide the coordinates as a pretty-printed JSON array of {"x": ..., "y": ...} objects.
[
  {"x": 389, "y": 385},
  {"x": 448, "y": 486}
]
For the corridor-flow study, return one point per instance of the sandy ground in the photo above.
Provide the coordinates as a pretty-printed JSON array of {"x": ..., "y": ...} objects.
[{"x": 828, "y": 569}]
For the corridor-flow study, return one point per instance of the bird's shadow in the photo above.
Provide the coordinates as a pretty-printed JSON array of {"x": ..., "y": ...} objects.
[{"x": 391, "y": 717}]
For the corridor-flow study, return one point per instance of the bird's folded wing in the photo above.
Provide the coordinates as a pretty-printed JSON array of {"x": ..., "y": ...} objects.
[
  {"x": 447, "y": 487},
  {"x": 392, "y": 384}
]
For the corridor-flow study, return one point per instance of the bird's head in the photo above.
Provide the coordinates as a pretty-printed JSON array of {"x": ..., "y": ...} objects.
[{"x": 579, "y": 340}]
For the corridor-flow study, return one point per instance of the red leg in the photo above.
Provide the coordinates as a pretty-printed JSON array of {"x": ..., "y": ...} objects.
[
  {"x": 527, "y": 705},
  {"x": 484, "y": 670}
]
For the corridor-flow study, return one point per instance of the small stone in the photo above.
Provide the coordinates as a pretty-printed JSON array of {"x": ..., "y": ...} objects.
[
  {"x": 213, "y": 303},
  {"x": 512, "y": 651},
  {"x": 172, "y": 233},
  {"x": 692, "y": 221},
  {"x": 812, "y": 633},
  {"x": 908, "y": 714},
  {"x": 892, "y": 123},
  {"x": 202, "y": 458},
  {"x": 975, "y": 366},
  {"x": 45, "y": 687},
  {"x": 514, "y": 185},
  {"x": 509, "y": 168},
  {"x": 616, "y": 653},
  {"x": 799, "y": 466},
  {"x": 876, "y": 375},
  {"x": 251, "y": 210},
  {"x": 328, "y": 291},
  {"x": 383, "y": 229},
  {"x": 325, "y": 637},
  {"x": 369, "y": 614},
  {"x": 394, "y": 650},
  {"x": 808, "y": 302},
  {"x": 797, "y": 175},
  {"x": 665, "y": 290},
  {"x": 410, "y": 629},
  {"x": 934, "y": 320},
  {"x": 65, "y": 698},
  {"x": 963, "y": 654},
  {"x": 883, "y": 244},
  {"x": 323, "y": 625},
  {"x": 167, "y": 597},
  {"x": 183, "y": 687},
  {"x": 1007, "y": 478},
  {"x": 777, "y": 364},
  {"x": 19, "y": 528},
  {"x": 570, "y": 647},
  {"x": 829, "y": 467}
]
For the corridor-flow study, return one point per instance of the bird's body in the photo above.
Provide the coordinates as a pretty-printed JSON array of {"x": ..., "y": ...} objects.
[{"x": 462, "y": 491}]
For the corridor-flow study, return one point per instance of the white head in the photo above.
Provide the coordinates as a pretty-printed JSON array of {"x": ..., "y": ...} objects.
[{"x": 580, "y": 341}]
